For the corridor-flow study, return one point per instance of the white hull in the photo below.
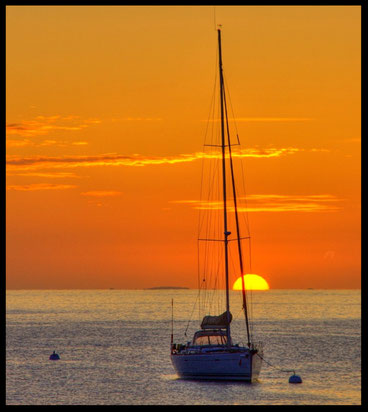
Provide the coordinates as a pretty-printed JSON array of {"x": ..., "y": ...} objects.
[{"x": 224, "y": 365}]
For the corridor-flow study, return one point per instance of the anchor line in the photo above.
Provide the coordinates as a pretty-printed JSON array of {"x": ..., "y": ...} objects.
[{"x": 273, "y": 366}]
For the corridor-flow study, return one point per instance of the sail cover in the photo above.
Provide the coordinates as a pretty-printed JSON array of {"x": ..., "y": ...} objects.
[{"x": 216, "y": 322}]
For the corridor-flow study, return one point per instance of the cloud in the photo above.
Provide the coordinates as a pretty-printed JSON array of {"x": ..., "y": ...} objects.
[
  {"x": 81, "y": 143},
  {"x": 353, "y": 140},
  {"x": 18, "y": 143},
  {"x": 295, "y": 198},
  {"x": 266, "y": 119},
  {"x": 52, "y": 175},
  {"x": 138, "y": 119},
  {"x": 59, "y": 143},
  {"x": 33, "y": 128},
  {"x": 43, "y": 125},
  {"x": 39, "y": 186},
  {"x": 136, "y": 160},
  {"x": 268, "y": 152},
  {"x": 273, "y": 203},
  {"x": 102, "y": 193}
]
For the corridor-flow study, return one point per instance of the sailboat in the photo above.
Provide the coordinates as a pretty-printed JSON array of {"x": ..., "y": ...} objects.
[{"x": 212, "y": 354}]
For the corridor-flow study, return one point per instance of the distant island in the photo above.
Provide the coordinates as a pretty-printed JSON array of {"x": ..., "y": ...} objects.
[{"x": 166, "y": 287}]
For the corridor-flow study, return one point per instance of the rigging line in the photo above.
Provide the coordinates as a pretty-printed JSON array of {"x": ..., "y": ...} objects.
[
  {"x": 237, "y": 315},
  {"x": 190, "y": 318},
  {"x": 198, "y": 278},
  {"x": 231, "y": 106},
  {"x": 205, "y": 257},
  {"x": 250, "y": 256},
  {"x": 245, "y": 202},
  {"x": 203, "y": 160},
  {"x": 234, "y": 271},
  {"x": 232, "y": 109},
  {"x": 212, "y": 171},
  {"x": 245, "y": 216},
  {"x": 200, "y": 219},
  {"x": 251, "y": 292},
  {"x": 224, "y": 185},
  {"x": 212, "y": 104},
  {"x": 273, "y": 366},
  {"x": 213, "y": 300},
  {"x": 208, "y": 263},
  {"x": 214, "y": 94},
  {"x": 216, "y": 268},
  {"x": 210, "y": 253},
  {"x": 202, "y": 216},
  {"x": 249, "y": 295},
  {"x": 211, "y": 111},
  {"x": 208, "y": 215},
  {"x": 203, "y": 291},
  {"x": 237, "y": 225},
  {"x": 239, "y": 298},
  {"x": 209, "y": 286}
]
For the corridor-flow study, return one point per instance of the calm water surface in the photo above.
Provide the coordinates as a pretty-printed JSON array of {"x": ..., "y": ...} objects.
[{"x": 114, "y": 348}]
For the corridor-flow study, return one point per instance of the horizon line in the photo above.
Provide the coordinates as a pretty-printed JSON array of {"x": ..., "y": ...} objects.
[{"x": 180, "y": 288}]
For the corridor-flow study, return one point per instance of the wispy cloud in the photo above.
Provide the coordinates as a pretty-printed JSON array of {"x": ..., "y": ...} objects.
[
  {"x": 353, "y": 140},
  {"x": 137, "y": 119},
  {"x": 136, "y": 160},
  {"x": 52, "y": 175},
  {"x": 11, "y": 143},
  {"x": 33, "y": 128},
  {"x": 274, "y": 203},
  {"x": 43, "y": 125},
  {"x": 18, "y": 143},
  {"x": 266, "y": 152},
  {"x": 102, "y": 193},
  {"x": 266, "y": 119},
  {"x": 80, "y": 143},
  {"x": 61, "y": 143},
  {"x": 39, "y": 186}
]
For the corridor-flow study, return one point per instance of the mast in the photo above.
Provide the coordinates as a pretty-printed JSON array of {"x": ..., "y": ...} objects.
[{"x": 226, "y": 232}]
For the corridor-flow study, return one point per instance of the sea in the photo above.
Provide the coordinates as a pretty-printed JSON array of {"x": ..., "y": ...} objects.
[{"x": 114, "y": 348}]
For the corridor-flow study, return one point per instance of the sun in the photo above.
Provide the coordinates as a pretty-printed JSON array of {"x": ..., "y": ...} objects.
[{"x": 251, "y": 282}]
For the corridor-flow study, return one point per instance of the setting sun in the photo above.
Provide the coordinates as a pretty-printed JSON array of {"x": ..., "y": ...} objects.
[{"x": 251, "y": 282}]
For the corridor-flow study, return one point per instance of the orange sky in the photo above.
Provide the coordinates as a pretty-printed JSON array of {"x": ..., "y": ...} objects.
[{"x": 106, "y": 115}]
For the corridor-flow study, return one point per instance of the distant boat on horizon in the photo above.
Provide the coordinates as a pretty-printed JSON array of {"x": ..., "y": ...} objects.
[{"x": 165, "y": 287}]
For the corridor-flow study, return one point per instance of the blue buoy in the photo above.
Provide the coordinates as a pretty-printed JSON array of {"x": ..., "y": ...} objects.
[
  {"x": 295, "y": 379},
  {"x": 54, "y": 356}
]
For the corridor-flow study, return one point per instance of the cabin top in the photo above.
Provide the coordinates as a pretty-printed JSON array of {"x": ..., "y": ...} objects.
[{"x": 209, "y": 337}]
